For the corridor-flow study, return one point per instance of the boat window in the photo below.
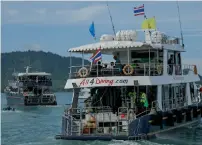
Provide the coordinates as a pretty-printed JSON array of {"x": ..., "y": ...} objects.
[
  {"x": 160, "y": 57},
  {"x": 14, "y": 89},
  {"x": 143, "y": 56},
  {"x": 152, "y": 94},
  {"x": 178, "y": 59},
  {"x": 191, "y": 90},
  {"x": 170, "y": 63},
  {"x": 183, "y": 92}
]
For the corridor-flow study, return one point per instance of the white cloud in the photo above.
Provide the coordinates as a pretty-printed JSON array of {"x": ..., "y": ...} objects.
[{"x": 53, "y": 16}]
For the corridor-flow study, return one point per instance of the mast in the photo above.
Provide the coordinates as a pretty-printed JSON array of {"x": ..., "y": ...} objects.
[
  {"x": 27, "y": 69},
  {"x": 111, "y": 20},
  {"x": 178, "y": 8}
]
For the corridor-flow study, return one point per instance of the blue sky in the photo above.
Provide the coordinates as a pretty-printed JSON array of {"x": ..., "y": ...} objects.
[{"x": 58, "y": 26}]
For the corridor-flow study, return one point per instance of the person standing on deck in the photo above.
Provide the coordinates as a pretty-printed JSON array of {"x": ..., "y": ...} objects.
[
  {"x": 135, "y": 66},
  {"x": 143, "y": 100},
  {"x": 170, "y": 64},
  {"x": 118, "y": 63}
]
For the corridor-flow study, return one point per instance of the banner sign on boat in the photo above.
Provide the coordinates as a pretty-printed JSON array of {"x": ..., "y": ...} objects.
[
  {"x": 127, "y": 81},
  {"x": 103, "y": 82}
]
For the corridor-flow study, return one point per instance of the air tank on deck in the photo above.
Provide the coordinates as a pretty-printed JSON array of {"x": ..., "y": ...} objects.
[
  {"x": 126, "y": 35},
  {"x": 158, "y": 37},
  {"x": 106, "y": 37}
]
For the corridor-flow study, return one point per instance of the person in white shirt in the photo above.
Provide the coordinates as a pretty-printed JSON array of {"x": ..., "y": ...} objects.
[{"x": 111, "y": 65}]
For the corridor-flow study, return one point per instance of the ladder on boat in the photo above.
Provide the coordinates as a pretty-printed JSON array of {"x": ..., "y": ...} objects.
[
  {"x": 76, "y": 121},
  {"x": 122, "y": 122}
]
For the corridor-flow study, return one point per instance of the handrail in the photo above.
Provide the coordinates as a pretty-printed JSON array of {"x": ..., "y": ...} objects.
[
  {"x": 142, "y": 113},
  {"x": 141, "y": 69}
]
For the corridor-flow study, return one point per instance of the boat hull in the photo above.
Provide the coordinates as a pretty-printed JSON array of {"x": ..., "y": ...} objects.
[
  {"x": 19, "y": 100},
  {"x": 142, "y": 127},
  {"x": 149, "y": 136},
  {"x": 16, "y": 99}
]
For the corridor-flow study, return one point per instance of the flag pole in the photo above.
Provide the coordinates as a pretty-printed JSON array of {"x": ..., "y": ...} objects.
[
  {"x": 178, "y": 8},
  {"x": 111, "y": 19},
  {"x": 145, "y": 17}
]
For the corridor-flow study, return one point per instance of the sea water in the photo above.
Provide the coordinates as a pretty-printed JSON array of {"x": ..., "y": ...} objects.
[{"x": 39, "y": 125}]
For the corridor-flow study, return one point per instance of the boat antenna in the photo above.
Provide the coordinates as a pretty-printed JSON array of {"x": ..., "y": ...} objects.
[
  {"x": 111, "y": 19},
  {"x": 27, "y": 69},
  {"x": 178, "y": 8}
]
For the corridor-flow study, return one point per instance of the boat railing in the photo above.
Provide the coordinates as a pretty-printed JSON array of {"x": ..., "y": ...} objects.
[
  {"x": 97, "y": 120},
  {"x": 175, "y": 103},
  {"x": 145, "y": 112},
  {"x": 138, "y": 69},
  {"x": 30, "y": 82},
  {"x": 36, "y": 82}
]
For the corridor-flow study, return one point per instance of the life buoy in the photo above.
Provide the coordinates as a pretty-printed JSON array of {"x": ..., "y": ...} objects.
[
  {"x": 83, "y": 72},
  {"x": 125, "y": 69},
  {"x": 159, "y": 69}
]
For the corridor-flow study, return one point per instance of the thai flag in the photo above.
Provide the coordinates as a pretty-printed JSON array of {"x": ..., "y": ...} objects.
[
  {"x": 96, "y": 56},
  {"x": 139, "y": 10}
]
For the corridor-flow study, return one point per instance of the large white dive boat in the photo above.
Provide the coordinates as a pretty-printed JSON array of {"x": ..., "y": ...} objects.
[
  {"x": 117, "y": 108},
  {"x": 30, "y": 88},
  {"x": 145, "y": 93}
]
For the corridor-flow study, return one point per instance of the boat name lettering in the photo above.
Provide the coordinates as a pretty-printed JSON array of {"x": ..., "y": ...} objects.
[
  {"x": 84, "y": 82},
  {"x": 121, "y": 81},
  {"x": 96, "y": 81},
  {"x": 103, "y": 81},
  {"x": 99, "y": 81}
]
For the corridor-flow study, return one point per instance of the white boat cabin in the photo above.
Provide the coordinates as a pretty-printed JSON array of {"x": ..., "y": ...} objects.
[
  {"x": 152, "y": 66},
  {"x": 26, "y": 81}
]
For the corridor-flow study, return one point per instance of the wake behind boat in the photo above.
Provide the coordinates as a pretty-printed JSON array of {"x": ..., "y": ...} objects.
[{"x": 30, "y": 89}]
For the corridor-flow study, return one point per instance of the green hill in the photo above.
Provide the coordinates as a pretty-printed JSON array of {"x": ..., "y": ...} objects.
[{"x": 55, "y": 64}]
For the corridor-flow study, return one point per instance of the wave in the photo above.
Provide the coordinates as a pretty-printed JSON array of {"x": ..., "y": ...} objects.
[
  {"x": 52, "y": 106},
  {"x": 6, "y": 111}
]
